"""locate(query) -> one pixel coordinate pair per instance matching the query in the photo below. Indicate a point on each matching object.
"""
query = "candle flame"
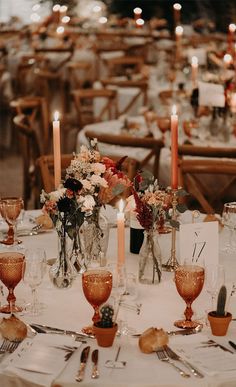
(179, 30)
(194, 61)
(56, 8)
(227, 58)
(177, 6)
(174, 110)
(140, 22)
(232, 27)
(137, 11)
(63, 8)
(56, 116)
(121, 205)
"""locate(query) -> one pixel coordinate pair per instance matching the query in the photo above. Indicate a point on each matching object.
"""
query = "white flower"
(94, 142)
(98, 168)
(86, 184)
(98, 180)
(56, 195)
(87, 202)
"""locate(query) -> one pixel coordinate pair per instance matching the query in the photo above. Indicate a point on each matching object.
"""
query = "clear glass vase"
(150, 265)
(94, 235)
(62, 273)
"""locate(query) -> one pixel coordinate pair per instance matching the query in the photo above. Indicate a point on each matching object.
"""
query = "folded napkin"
(210, 359)
(41, 359)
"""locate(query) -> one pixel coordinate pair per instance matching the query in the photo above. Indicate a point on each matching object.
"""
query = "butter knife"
(181, 332)
(95, 373)
(48, 329)
(174, 356)
(83, 360)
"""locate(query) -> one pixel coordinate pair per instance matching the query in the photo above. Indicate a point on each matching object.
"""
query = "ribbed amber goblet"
(11, 270)
(10, 208)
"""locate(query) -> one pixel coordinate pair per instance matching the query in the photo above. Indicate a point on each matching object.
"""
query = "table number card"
(199, 243)
(211, 94)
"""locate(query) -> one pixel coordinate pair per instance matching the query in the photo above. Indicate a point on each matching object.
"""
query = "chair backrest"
(154, 145)
(84, 102)
(191, 173)
(120, 65)
(78, 73)
(46, 167)
(30, 151)
(206, 151)
(141, 86)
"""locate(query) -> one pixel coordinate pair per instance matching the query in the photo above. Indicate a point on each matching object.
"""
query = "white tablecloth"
(161, 306)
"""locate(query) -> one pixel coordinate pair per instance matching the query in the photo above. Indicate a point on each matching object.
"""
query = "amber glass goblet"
(10, 209)
(11, 265)
(189, 280)
(97, 285)
(163, 124)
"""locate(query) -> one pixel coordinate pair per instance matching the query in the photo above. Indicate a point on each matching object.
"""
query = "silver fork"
(175, 356)
(8, 346)
(163, 357)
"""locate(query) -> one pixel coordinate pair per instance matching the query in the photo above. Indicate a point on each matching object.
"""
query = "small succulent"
(106, 312)
(221, 301)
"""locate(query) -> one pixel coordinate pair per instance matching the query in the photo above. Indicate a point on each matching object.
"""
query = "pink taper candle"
(174, 148)
(194, 65)
(56, 150)
(121, 233)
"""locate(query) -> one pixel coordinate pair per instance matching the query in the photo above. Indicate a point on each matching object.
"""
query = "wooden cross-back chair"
(78, 73)
(120, 65)
(84, 103)
(30, 151)
(46, 168)
(154, 145)
(207, 163)
(141, 86)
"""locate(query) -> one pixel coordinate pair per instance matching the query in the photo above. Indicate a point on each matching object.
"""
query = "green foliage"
(106, 312)
(220, 311)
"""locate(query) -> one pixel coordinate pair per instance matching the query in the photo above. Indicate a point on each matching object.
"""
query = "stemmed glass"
(11, 264)
(97, 285)
(163, 124)
(34, 268)
(189, 280)
(229, 221)
(215, 278)
(10, 209)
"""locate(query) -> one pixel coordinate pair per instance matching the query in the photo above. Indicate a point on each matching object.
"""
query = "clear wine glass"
(215, 278)
(34, 269)
(189, 280)
(10, 209)
(229, 221)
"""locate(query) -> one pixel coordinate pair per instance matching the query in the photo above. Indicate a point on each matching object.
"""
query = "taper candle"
(174, 148)
(231, 31)
(177, 8)
(56, 150)
(194, 65)
(121, 233)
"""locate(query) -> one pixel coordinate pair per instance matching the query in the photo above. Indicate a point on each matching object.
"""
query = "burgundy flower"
(73, 184)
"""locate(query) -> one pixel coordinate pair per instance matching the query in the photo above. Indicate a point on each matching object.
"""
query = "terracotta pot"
(105, 336)
(219, 325)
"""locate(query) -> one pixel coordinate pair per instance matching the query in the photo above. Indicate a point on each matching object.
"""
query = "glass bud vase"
(94, 235)
(150, 264)
(62, 273)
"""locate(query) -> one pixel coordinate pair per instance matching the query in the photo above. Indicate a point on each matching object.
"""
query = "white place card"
(199, 243)
(211, 94)
(200, 53)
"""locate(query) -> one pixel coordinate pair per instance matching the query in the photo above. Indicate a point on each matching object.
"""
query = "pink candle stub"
(121, 233)
(174, 148)
(56, 150)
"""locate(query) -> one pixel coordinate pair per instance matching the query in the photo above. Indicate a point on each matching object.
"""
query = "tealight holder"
(172, 262)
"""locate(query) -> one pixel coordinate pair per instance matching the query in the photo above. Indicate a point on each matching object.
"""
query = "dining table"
(158, 306)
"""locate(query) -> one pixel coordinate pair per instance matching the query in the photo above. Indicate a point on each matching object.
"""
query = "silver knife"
(83, 359)
(174, 356)
(45, 329)
(181, 332)
(95, 373)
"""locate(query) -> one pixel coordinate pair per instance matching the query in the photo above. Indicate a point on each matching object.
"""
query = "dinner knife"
(233, 345)
(95, 373)
(83, 359)
(181, 332)
(48, 329)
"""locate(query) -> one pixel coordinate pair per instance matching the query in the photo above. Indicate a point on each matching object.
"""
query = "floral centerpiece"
(152, 204)
(91, 182)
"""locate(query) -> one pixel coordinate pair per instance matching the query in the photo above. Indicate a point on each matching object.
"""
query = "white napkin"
(41, 359)
(211, 360)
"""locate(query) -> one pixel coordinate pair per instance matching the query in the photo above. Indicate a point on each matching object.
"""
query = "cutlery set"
(83, 361)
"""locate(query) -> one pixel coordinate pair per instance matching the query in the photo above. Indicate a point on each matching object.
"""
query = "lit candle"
(194, 64)
(56, 149)
(139, 23)
(137, 13)
(227, 60)
(231, 31)
(174, 148)
(233, 102)
(178, 35)
(121, 233)
(177, 8)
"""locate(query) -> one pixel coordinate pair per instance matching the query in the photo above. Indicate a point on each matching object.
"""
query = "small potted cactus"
(219, 319)
(105, 329)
